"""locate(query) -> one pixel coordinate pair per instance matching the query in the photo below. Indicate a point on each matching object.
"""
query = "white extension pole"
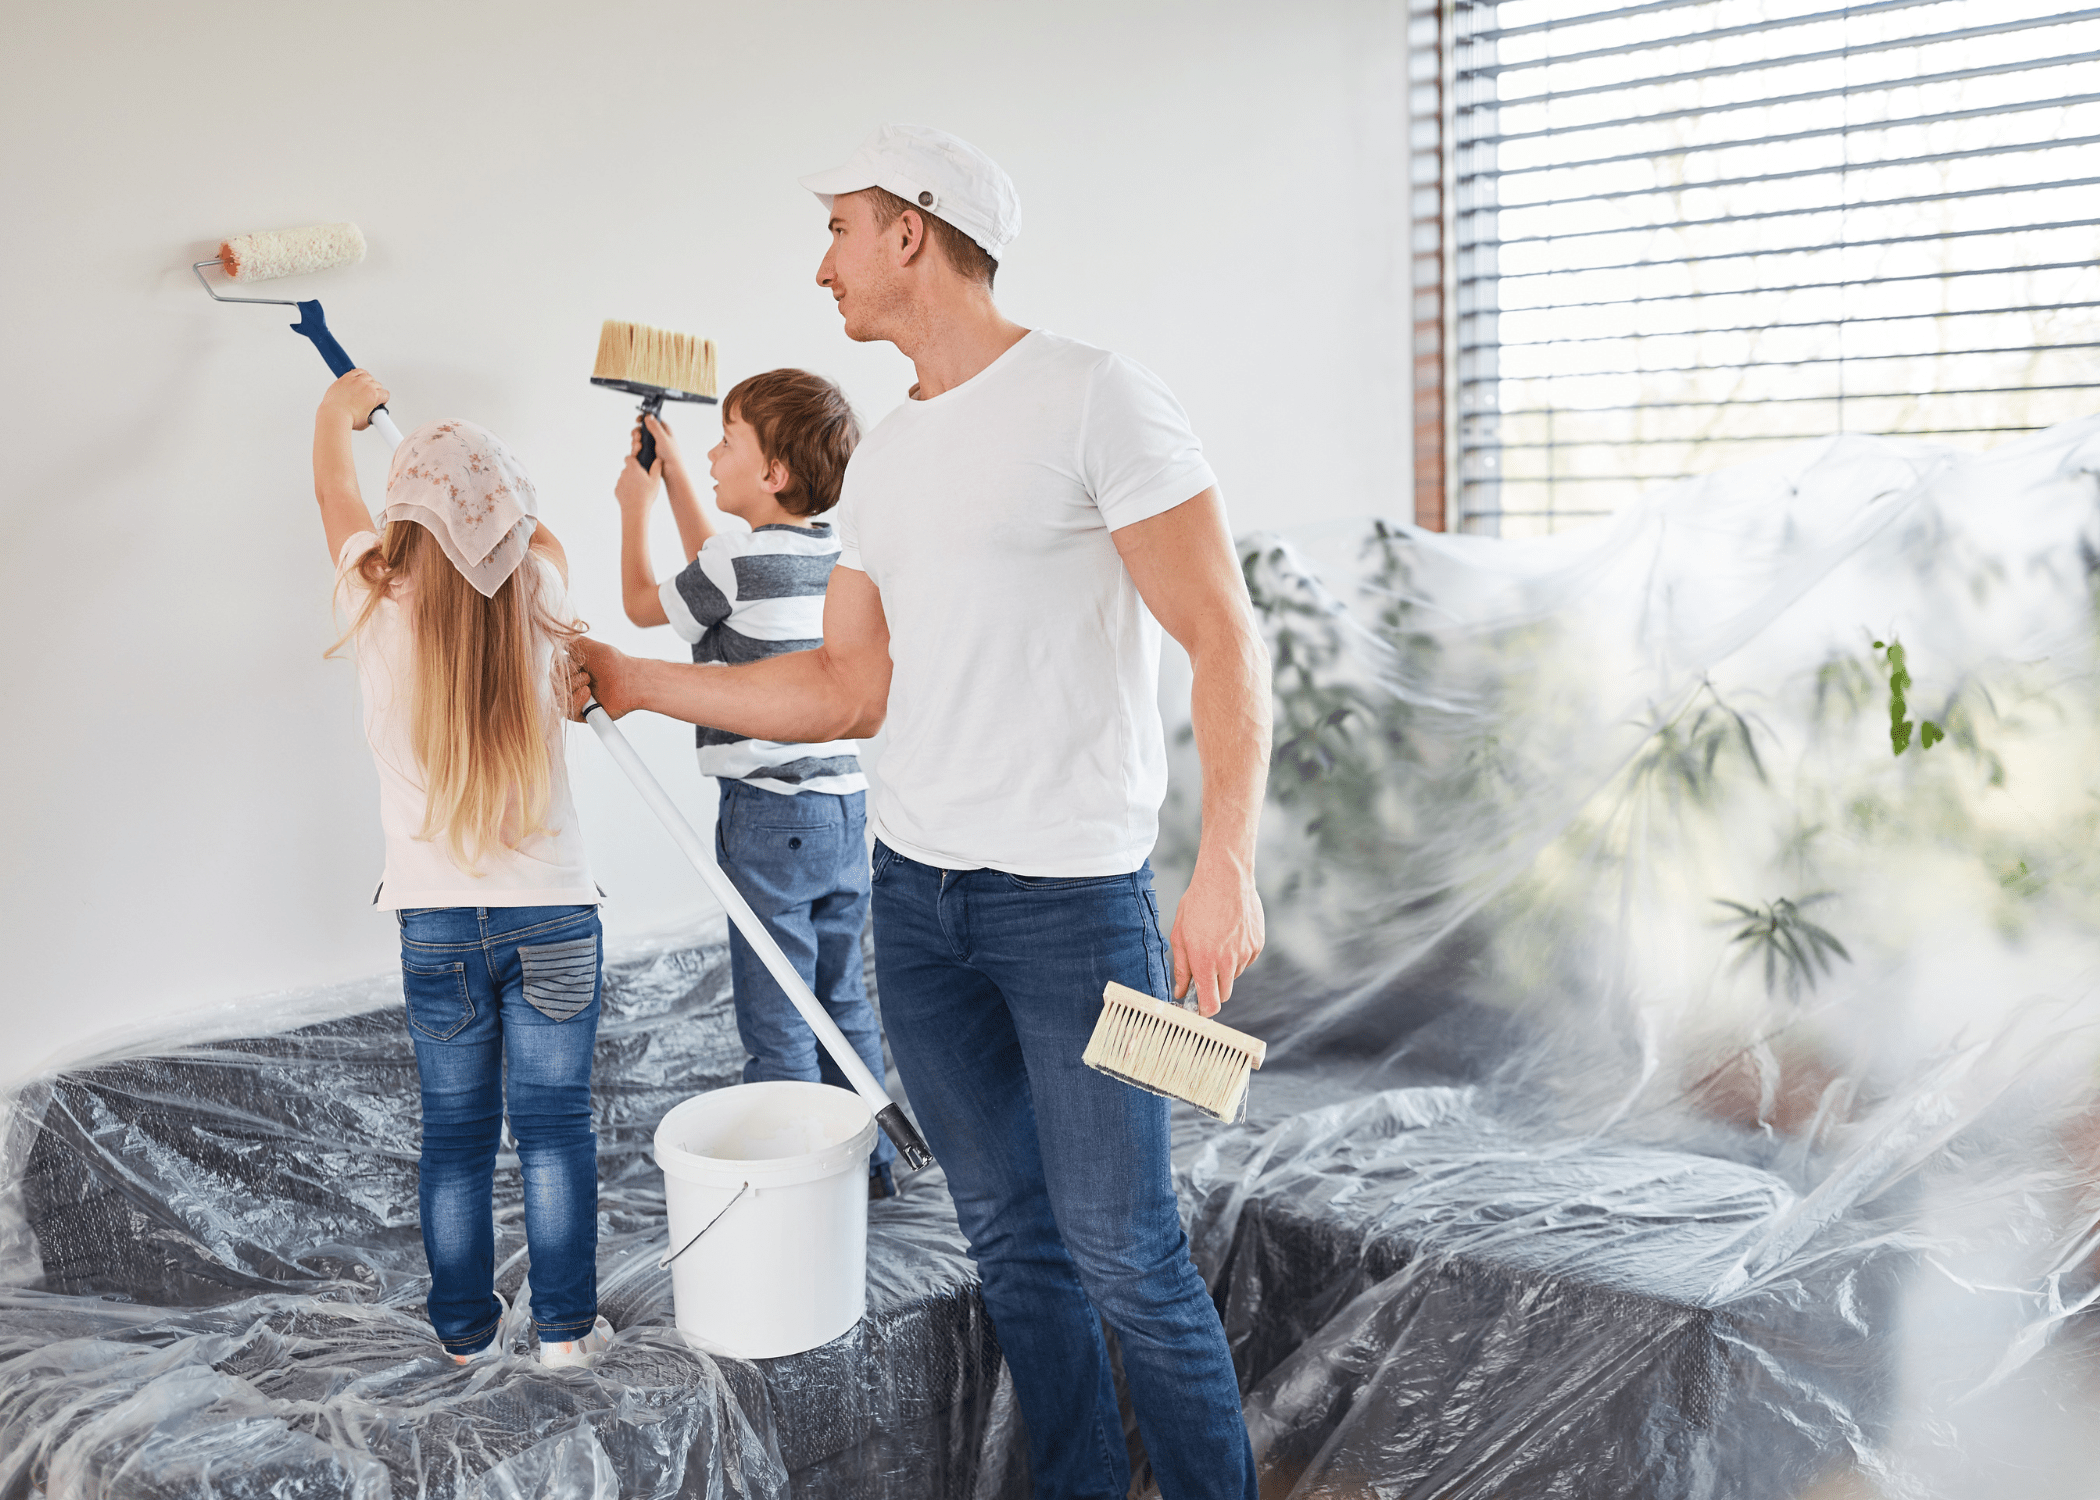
(383, 424)
(892, 1119)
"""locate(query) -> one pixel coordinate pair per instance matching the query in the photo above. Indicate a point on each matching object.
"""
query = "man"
(1012, 539)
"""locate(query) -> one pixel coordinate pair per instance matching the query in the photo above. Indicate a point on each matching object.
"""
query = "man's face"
(860, 270)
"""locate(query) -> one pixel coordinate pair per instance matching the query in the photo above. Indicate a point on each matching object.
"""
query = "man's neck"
(955, 341)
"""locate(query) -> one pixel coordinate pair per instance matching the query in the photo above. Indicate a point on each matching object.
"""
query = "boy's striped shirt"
(747, 596)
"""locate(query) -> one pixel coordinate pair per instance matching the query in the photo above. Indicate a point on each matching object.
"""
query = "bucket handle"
(665, 1260)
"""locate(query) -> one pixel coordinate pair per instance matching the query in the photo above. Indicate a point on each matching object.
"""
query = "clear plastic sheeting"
(228, 1285)
(1683, 1079)
(1681, 996)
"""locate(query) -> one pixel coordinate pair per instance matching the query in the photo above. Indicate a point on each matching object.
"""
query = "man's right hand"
(602, 673)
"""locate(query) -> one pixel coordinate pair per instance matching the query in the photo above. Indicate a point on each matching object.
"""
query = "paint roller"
(247, 258)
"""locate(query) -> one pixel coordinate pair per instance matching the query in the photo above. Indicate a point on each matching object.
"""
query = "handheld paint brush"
(295, 252)
(1171, 1050)
(656, 365)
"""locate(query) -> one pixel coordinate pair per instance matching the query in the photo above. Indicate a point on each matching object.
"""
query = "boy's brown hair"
(803, 423)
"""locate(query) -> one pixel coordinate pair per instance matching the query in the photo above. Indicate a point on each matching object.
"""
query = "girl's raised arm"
(345, 408)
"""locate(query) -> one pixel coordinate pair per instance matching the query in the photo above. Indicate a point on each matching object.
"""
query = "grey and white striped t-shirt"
(747, 596)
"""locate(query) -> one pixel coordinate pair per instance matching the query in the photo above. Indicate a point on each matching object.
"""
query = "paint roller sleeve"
(291, 252)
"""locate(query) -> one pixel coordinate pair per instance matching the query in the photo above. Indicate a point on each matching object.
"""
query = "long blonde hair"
(479, 709)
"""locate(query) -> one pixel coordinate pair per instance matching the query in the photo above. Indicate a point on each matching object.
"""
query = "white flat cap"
(941, 173)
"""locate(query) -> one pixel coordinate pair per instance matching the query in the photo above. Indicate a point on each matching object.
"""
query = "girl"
(460, 626)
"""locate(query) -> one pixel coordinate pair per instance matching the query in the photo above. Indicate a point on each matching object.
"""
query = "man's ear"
(910, 233)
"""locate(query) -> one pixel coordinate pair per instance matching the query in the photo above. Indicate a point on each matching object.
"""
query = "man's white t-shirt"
(1023, 731)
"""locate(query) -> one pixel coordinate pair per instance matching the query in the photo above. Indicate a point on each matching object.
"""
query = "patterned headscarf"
(459, 482)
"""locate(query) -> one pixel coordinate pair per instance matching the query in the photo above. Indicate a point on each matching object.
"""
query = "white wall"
(1216, 190)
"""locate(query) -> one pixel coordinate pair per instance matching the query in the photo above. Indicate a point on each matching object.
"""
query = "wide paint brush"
(656, 365)
(1171, 1050)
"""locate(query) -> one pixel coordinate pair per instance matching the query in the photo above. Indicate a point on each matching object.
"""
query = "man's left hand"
(1218, 930)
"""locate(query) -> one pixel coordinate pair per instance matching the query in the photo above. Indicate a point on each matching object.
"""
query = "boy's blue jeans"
(802, 863)
(486, 987)
(991, 984)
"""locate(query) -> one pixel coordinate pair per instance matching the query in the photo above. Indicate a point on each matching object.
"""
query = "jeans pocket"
(561, 979)
(439, 1006)
(880, 861)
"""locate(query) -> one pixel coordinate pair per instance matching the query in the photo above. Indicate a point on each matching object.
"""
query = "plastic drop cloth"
(219, 1285)
(1674, 1090)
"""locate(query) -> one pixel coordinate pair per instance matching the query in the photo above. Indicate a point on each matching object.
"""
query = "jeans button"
(794, 843)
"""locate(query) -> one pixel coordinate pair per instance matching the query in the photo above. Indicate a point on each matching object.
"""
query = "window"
(1676, 235)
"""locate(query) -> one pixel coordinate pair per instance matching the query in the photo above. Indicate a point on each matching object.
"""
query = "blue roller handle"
(313, 324)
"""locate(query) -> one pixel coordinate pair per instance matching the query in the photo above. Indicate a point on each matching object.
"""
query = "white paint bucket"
(776, 1175)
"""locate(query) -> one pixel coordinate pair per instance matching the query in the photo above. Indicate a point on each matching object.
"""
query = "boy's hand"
(353, 398)
(636, 489)
(668, 459)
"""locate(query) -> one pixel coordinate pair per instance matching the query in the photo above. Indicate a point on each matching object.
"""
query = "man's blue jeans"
(802, 863)
(991, 984)
(486, 987)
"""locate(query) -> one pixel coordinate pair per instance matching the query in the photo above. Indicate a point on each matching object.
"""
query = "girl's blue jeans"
(991, 984)
(503, 1008)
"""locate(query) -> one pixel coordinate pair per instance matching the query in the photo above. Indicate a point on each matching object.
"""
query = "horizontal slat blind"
(1690, 230)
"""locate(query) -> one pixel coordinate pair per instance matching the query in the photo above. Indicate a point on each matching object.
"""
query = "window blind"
(1688, 231)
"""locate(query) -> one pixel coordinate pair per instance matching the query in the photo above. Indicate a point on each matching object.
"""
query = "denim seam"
(517, 935)
(1063, 882)
(477, 1336)
(564, 1331)
(1108, 1457)
(1149, 940)
(498, 940)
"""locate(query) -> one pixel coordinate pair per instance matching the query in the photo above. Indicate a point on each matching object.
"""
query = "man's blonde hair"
(962, 252)
(479, 709)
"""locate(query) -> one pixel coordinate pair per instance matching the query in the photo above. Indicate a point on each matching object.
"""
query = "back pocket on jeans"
(438, 1005)
(561, 979)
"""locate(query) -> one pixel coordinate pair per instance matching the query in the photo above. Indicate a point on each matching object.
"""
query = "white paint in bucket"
(786, 1266)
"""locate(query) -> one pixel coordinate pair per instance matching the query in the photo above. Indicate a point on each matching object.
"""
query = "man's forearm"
(801, 698)
(1229, 702)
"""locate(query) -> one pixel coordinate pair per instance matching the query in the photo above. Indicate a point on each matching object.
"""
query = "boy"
(789, 832)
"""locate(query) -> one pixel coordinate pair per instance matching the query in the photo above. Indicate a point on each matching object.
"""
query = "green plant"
(1684, 754)
(1929, 733)
(1793, 948)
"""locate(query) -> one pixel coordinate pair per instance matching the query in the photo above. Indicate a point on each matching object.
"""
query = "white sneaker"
(565, 1354)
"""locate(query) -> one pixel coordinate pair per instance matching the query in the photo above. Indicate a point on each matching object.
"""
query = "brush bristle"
(1165, 1049)
(291, 252)
(655, 356)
